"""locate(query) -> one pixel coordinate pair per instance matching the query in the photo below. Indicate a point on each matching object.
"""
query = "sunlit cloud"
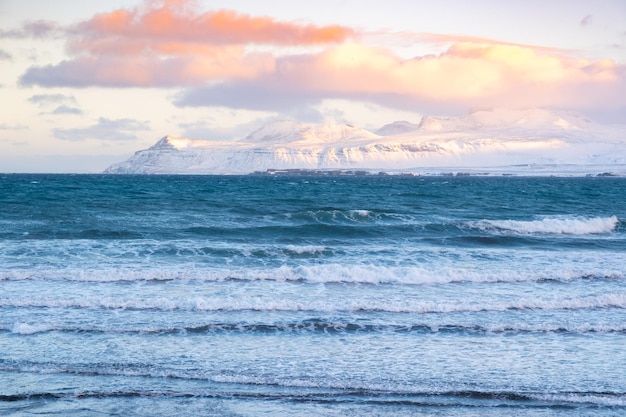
(104, 130)
(405, 38)
(225, 58)
(466, 74)
(170, 43)
(172, 21)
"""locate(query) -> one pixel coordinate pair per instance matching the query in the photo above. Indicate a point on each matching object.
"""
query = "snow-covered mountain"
(529, 140)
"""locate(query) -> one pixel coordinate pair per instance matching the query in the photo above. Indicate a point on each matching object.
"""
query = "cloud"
(225, 58)
(105, 129)
(466, 75)
(51, 99)
(586, 21)
(5, 56)
(442, 39)
(150, 71)
(34, 29)
(261, 94)
(212, 131)
(6, 126)
(15, 143)
(169, 43)
(65, 104)
(174, 22)
(66, 110)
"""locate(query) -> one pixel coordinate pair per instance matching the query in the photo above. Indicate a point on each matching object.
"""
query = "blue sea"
(312, 296)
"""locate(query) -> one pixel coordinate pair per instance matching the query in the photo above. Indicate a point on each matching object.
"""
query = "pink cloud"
(465, 72)
(173, 21)
(172, 44)
(466, 75)
(169, 43)
(149, 71)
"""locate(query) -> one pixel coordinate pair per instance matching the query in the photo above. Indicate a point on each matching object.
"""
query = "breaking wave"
(555, 226)
(603, 269)
(614, 300)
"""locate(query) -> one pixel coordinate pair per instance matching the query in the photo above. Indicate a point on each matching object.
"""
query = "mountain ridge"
(483, 138)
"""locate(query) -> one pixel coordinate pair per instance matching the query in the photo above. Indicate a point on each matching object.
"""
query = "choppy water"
(320, 296)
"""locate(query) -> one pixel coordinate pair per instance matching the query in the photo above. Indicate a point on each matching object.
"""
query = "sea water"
(312, 296)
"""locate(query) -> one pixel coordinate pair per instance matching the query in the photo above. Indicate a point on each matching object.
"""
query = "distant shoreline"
(495, 172)
(435, 173)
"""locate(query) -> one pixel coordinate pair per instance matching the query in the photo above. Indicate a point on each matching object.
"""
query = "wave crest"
(551, 225)
(608, 301)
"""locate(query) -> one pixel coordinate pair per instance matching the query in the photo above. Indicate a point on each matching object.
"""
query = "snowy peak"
(166, 142)
(331, 133)
(397, 128)
(289, 131)
(177, 143)
(433, 124)
(276, 132)
(528, 118)
(498, 119)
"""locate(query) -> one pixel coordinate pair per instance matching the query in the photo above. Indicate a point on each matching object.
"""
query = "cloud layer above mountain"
(226, 58)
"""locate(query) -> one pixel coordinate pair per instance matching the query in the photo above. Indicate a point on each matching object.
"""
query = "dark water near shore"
(320, 296)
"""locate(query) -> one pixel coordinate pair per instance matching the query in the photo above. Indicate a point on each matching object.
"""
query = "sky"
(85, 83)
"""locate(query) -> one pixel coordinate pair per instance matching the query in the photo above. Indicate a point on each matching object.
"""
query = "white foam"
(598, 399)
(27, 328)
(265, 303)
(305, 249)
(553, 225)
(361, 213)
(524, 267)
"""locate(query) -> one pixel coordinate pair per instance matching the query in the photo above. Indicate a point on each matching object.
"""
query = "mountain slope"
(482, 139)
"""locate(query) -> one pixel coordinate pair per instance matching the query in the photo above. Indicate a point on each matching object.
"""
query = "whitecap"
(27, 328)
(552, 225)
(306, 249)
(615, 300)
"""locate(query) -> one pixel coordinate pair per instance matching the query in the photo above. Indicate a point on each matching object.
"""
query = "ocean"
(302, 295)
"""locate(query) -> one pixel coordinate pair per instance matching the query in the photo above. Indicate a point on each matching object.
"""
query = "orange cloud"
(466, 75)
(464, 72)
(118, 21)
(136, 47)
(172, 44)
(130, 47)
(172, 21)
